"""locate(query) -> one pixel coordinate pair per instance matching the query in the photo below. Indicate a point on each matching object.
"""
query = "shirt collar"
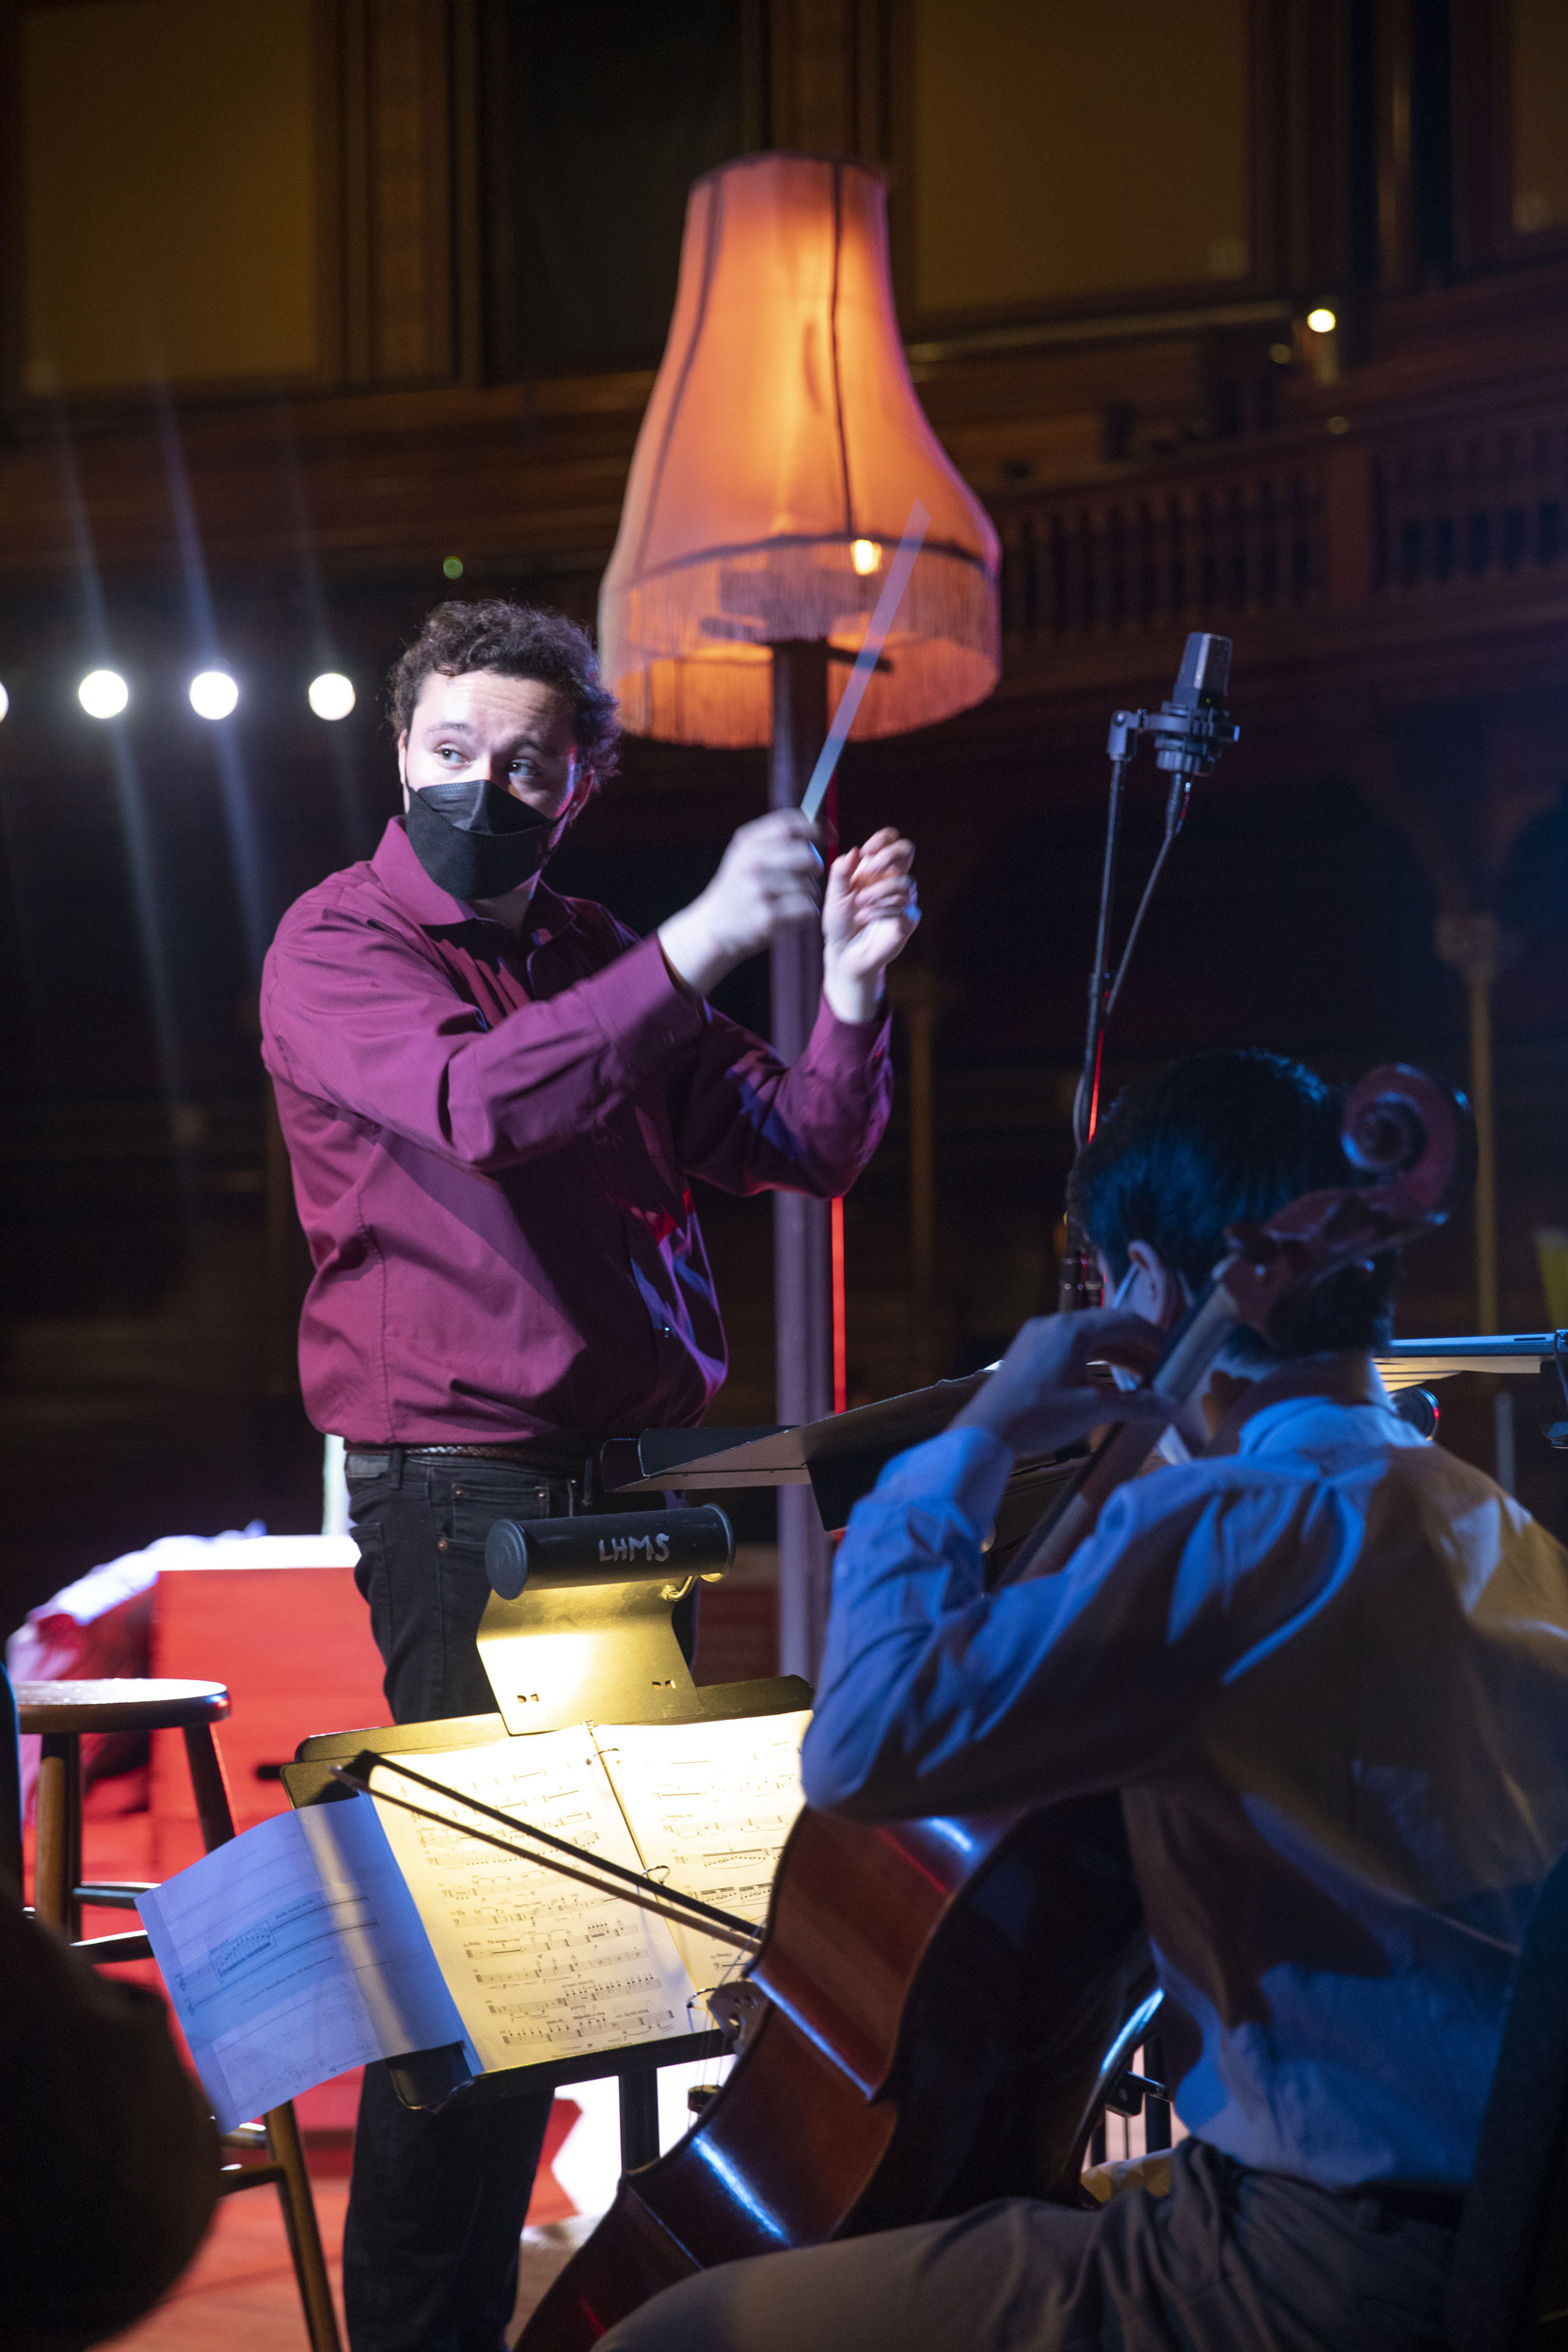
(396, 868)
(1347, 1379)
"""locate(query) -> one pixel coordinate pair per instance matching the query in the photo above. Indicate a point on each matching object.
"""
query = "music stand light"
(782, 451)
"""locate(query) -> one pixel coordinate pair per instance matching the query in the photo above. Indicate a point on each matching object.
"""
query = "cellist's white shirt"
(1329, 1670)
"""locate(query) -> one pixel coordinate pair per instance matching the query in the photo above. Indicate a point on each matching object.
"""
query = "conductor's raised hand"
(868, 917)
(769, 880)
(1040, 1398)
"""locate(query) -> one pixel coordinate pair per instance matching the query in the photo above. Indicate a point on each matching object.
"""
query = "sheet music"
(540, 1968)
(292, 1954)
(710, 1806)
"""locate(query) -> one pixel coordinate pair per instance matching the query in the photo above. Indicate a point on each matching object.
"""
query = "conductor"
(495, 1099)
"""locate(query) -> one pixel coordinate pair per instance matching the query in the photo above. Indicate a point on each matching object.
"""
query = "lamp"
(781, 453)
(780, 456)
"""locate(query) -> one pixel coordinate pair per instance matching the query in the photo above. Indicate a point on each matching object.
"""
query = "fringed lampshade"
(778, 461)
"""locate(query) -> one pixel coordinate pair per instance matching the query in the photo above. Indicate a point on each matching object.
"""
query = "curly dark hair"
(516, 641)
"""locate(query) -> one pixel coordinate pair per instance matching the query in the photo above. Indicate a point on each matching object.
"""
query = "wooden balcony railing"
(1472, 508)
(1290, 527)
(1150, 557)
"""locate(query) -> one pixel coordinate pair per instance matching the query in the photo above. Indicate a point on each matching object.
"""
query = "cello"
(937, 2009)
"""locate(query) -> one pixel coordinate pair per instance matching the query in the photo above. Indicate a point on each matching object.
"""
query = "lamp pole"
(802, 1310)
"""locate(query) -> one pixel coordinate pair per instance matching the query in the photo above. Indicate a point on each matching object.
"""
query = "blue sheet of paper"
(293, 1953)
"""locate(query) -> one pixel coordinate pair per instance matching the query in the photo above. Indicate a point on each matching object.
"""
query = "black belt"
(549, 1464)
(524, 1454)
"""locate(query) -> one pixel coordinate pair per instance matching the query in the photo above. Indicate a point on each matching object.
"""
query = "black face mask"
(474, 839)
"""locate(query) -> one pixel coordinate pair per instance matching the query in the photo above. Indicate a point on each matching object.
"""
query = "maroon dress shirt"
(491, 1142)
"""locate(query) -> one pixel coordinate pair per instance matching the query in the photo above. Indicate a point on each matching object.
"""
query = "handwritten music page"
(710, 1806)
(539, 1966)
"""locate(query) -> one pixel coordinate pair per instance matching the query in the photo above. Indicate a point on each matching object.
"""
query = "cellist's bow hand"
(1041, 1398)
(869, 915)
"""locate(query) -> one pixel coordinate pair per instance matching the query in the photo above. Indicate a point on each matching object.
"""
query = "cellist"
(1327, 1663)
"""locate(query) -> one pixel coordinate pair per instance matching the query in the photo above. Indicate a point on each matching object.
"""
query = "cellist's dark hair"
(1212, 1141)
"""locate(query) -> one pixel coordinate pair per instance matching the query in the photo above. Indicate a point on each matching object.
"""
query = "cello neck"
(1123, 1452)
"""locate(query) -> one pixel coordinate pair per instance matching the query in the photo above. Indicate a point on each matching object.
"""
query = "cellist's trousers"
(1231, 2260)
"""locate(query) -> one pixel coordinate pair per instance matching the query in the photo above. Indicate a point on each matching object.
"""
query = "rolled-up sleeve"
(357, 1016)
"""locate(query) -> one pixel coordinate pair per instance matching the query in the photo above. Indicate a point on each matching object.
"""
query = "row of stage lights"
(214, 694)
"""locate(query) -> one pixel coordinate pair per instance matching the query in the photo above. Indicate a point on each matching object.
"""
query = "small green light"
(453, 567)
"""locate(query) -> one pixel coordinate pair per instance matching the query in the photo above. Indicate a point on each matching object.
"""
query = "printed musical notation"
(710, 1806)
(348, 1931)
(540, 1968)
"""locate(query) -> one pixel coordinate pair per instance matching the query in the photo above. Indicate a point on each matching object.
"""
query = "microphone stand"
(1189, 732)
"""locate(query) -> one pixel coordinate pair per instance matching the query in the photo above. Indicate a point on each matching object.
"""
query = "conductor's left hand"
(868, 917)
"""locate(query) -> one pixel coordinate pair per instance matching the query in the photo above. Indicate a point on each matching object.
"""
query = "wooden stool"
(60, 1712)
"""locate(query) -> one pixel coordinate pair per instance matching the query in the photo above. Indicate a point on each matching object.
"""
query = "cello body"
(932, 2001)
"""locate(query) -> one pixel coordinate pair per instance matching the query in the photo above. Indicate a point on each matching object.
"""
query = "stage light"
(1322, 322)
(102, 693)
(213, 694)
(331, 695)
(452, 566)
(866, 555)
(5, 701)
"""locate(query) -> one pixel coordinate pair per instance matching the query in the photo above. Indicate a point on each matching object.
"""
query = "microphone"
(1192, 728)
(1197, 699)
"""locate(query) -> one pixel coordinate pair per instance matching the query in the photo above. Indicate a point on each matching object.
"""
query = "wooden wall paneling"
(137, 116)
(1314, 245)
(1396, 220)
(411, 161)
(1494, 218)
(873, 94)
(897, 154)
(468, 186)
(1272, 197)
(333, 184)
(396, 113)
(815, 51)
(499, 260)
(10, 208)
(582, 201)
(1266, 169)
(1482, 173)
(756, 74)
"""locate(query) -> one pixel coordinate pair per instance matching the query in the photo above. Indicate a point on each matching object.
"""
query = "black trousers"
(437, 2202)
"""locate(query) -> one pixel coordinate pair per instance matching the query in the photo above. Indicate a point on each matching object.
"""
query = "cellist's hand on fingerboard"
(1041, 1398)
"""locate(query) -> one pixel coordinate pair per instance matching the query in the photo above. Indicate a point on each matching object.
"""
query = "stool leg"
(212, 1809)
(10, 1788)
(300, 2220)
(217, 1816)
(58, 1862)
